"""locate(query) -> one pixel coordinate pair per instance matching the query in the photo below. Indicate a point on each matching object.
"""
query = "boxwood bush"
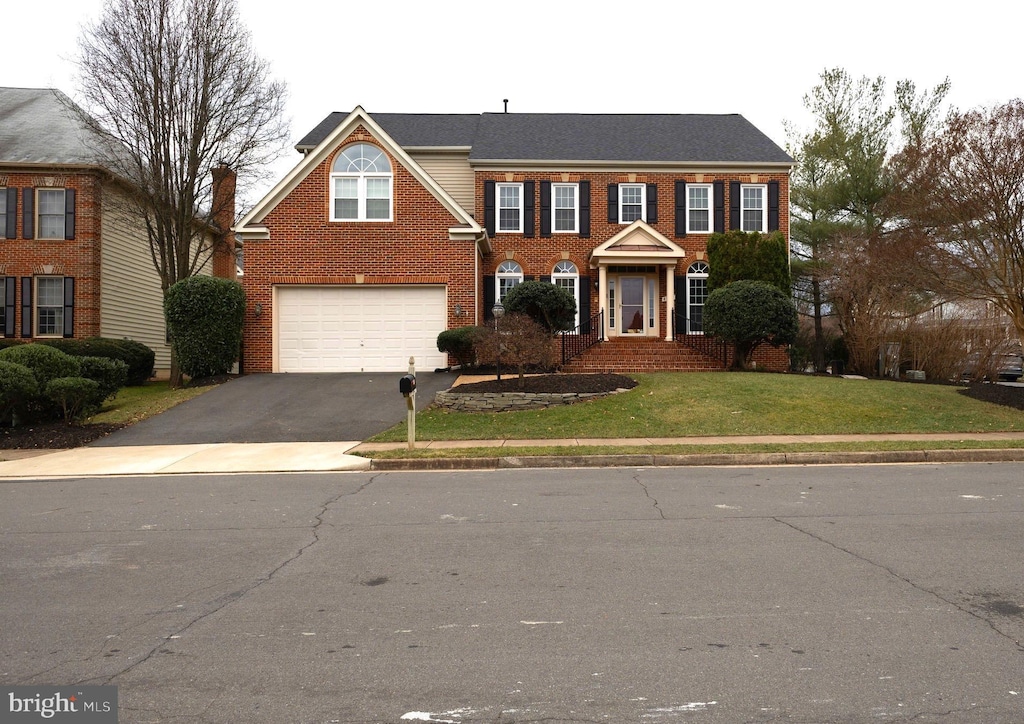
(459, 343)
(18, 387)
(75, 397)
(138, 357)
(109, 374)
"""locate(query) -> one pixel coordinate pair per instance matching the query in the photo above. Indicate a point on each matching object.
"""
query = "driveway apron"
(285, 408)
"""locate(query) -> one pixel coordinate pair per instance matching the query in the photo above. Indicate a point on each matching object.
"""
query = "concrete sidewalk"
(337, 456)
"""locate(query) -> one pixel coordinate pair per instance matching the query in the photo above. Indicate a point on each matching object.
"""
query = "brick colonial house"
(395, 227)
(74, 262)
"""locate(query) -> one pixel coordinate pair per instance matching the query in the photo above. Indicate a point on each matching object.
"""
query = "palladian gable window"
(361, 183)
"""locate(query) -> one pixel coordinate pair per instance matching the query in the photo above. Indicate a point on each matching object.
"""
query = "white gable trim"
(638, 243)
(250, 227)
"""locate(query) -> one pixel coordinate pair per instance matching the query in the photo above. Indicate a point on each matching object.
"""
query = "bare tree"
(964, 201)
(173, 89)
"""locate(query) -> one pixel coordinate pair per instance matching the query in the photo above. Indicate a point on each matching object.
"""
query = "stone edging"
(502, 401)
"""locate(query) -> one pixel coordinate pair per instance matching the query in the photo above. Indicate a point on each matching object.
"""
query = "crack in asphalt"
(900, 577)
(654, 501)
(229, 598)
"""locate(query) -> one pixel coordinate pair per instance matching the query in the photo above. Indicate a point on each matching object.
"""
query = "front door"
(636, 310)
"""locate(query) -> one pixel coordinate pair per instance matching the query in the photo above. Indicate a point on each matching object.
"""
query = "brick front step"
(642, 355)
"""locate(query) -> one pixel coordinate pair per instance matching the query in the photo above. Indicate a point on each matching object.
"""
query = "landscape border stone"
(504, 401)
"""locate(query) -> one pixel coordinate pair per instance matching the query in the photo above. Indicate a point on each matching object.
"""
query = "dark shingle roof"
(37, 126)
(655, 138)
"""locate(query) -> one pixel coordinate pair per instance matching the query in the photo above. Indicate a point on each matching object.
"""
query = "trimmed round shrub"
(551, 306)
(749, 313)
(8, 342)
(458, 343)
(109, 374)
(18, 387)
(45, 362)
(204, 316)
(138, 357)
(75, 397)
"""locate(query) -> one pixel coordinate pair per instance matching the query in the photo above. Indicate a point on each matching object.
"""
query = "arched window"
(361, 184)
(696, 295)
(508, 275)
(566, 275)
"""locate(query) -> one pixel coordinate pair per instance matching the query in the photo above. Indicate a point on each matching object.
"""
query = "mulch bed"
(552, 384)
(52, 436)
(999, 394)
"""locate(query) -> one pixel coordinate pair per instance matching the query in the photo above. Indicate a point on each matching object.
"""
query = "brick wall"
(305, 247)
(78, 258)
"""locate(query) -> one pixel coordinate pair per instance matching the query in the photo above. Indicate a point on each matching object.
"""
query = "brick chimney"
(224, 218)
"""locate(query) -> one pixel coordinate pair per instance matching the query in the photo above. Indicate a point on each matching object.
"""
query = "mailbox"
(407, 384)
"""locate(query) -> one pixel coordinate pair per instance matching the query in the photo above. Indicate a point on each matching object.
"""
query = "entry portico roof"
(638, 244)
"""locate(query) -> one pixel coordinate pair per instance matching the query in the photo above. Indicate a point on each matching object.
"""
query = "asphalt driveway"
(285, 408)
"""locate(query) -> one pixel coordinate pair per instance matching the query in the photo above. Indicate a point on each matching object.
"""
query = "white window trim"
(513, 270)
(575, 276)
(764, 206)
(498, 207)
(36, 308)
(39, 215)
(575, 208)
(643, 201)
(696, 270)
(361, 197)
(711, 208)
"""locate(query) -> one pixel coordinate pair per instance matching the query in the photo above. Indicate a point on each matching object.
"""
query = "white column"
(670, 300)
(602, 291)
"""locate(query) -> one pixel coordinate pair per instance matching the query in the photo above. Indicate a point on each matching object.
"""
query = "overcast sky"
(757, 59)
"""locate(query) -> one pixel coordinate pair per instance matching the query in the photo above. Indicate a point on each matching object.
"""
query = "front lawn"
(718, 403)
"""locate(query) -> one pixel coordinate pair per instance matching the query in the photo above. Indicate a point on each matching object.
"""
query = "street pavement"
(627, 594)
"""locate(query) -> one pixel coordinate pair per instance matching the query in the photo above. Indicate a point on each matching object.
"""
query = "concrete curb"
(703, 460)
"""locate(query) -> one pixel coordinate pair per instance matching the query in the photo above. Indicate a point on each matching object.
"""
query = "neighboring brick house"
(74, 262)
(395, 227)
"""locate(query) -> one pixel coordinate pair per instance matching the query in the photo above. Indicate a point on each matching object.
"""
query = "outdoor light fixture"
(257, 309)
(498, 310)
(459, 311)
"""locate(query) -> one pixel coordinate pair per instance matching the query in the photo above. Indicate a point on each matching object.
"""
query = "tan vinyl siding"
(452, 173)
(131, 303)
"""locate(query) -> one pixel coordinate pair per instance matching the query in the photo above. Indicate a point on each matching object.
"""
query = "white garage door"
(359, 329)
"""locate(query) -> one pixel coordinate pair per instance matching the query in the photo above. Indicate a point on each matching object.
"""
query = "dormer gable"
(251, 225)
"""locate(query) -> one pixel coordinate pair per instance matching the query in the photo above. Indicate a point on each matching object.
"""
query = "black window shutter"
(545, 278)
(28, 217)
(680, 308)
(489, 216)
(69, 214)
(69, 306)
(652, 203)
(773, 206)
(26, 306)
(613, 203)
(584, 309)
(488, 296)
(585, 209)
(734, 205)
(529, 213)
(545, 208)
(680, 209)
(10, 304)
(718, 189)
(12, 214)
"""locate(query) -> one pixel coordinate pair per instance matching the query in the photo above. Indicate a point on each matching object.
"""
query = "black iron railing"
(575, 342)
(690, 332)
